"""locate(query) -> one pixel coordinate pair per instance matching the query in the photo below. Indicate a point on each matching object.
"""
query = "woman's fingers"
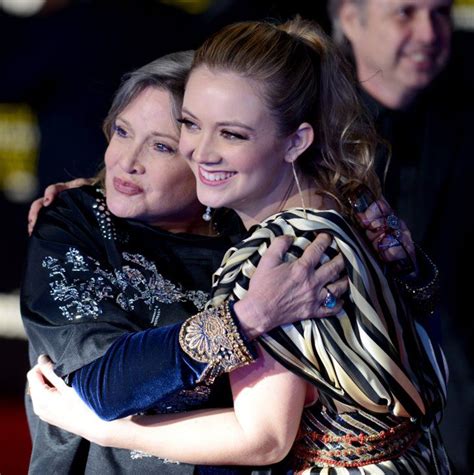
(41, 392)
(275, 254)
(33, 213)
(36, 379)
(46, 367)
(332, 297)
(50, 194)
(312, 255)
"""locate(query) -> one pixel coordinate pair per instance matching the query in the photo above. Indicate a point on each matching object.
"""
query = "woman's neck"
(193, 224)
(292, 198)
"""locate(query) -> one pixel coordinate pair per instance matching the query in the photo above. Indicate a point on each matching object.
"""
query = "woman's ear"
(299, 141)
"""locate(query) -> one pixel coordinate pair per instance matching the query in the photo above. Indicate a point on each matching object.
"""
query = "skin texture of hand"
(50, 194)
(281, 292)
(374, 222)
(58, 404)
(385, 240)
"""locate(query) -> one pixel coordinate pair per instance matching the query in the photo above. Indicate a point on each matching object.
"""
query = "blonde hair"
(304, 78)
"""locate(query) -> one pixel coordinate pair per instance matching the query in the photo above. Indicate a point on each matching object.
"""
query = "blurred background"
(60, 61)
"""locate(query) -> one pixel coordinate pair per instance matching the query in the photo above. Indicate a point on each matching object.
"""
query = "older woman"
(115, 268)
(273, 130)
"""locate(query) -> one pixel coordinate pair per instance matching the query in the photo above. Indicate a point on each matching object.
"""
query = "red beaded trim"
(389, 444)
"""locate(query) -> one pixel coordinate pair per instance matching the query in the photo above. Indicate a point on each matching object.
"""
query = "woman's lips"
(126, 187)
(214, 178)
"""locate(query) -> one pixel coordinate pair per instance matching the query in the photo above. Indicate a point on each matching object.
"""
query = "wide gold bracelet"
(213, 337)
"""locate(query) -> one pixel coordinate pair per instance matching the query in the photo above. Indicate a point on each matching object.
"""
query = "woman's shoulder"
(310, 219)
(86, 195)
(74, 208)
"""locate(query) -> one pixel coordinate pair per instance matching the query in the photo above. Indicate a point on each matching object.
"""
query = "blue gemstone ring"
(393, 222)
(330, 300)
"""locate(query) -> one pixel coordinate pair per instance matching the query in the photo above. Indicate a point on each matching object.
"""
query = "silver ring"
(397, 234)
(330, 301)
(393, 221)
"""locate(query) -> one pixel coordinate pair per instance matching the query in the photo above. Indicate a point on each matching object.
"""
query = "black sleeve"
(72, 312)
(68, 294)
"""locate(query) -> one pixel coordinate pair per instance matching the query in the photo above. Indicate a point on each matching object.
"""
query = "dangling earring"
(299, 188)
(207, 214)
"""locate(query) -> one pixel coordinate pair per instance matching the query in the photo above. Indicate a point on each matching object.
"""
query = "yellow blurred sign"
(19, 142)
(194, 7)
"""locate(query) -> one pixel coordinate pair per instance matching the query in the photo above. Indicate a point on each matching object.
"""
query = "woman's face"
(232, 144)
(146, 178)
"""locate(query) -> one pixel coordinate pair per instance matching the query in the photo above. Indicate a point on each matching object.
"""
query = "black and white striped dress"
(381, 380)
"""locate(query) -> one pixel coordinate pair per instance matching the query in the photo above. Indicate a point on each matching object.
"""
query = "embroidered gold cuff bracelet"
(213, 337)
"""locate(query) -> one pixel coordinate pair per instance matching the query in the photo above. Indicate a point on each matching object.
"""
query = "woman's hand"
(49, 196)
(282, 292)
(58, 404)
(389, 235)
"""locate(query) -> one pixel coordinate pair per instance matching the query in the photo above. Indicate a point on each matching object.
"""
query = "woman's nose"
(131, 161)
(205, 150)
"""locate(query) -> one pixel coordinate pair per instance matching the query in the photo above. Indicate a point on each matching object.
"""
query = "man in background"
(418, 86)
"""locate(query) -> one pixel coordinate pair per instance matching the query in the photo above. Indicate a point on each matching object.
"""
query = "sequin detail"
(138, 280)
(104, 217)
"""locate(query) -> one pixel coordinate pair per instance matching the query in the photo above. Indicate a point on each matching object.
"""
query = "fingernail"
(43, 359)
(387, 242)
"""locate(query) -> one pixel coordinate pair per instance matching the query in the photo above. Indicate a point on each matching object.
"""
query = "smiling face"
(146, 178)
(399, 45)
(232, 145)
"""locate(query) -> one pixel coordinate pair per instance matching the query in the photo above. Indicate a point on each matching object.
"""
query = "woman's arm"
(159, 368)
(260, 430)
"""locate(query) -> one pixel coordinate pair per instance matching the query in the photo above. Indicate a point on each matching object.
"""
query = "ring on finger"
(393, 221)
(388, 241)
(396, 234)
(330, 300)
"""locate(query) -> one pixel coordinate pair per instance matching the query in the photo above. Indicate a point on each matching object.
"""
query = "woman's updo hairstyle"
(303, 77)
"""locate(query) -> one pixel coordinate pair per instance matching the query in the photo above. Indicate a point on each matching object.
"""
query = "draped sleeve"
(69, 296)
(372, 355)
(98, 291)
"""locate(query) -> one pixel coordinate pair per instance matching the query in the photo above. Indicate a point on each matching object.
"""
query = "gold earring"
(300, 192)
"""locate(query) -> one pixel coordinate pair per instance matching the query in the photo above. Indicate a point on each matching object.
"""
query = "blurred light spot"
(463, 15)
(20, 186)
(19, 142)
(194, 7)
(22, 7)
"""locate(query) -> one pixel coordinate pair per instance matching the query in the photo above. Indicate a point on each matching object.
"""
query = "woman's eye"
(227, 134)
(120, 131)
(163, 148)
(188, 124)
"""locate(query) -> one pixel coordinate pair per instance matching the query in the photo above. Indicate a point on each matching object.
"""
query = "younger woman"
(272, 129)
